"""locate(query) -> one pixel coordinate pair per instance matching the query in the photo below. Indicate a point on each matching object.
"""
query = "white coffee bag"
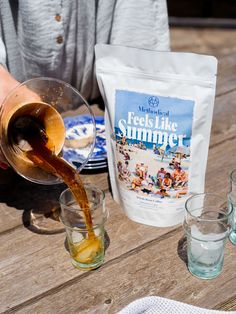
(158, 118)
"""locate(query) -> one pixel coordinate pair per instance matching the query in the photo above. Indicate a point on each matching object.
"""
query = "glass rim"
(226, 215)
(232, 173)
(231, 200)
(45, 78)
(72, 208)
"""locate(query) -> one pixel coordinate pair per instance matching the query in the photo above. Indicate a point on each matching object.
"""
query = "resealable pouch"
(158, 117)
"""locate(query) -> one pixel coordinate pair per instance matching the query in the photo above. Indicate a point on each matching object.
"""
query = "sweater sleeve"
(3, 54)
(141, 24)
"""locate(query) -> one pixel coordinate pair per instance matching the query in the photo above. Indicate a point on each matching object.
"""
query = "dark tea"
(27, 131)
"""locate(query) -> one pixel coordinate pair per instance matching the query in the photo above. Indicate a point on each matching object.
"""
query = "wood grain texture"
(219, 42)
(32, 264)
(126, 237)
(224, 119)
(18, 197)
(228, 305)
(157, 272)
(223, 127)
(216, 42)
(24, 196)
(226, 76)
(35, 272)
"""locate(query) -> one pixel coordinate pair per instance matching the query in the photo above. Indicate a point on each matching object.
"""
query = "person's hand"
(7, 83)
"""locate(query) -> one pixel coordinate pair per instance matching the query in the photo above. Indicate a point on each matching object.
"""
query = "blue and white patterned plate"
(78, 129)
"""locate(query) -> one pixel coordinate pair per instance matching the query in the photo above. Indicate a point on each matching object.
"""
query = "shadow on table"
(182, 249)
(36, 201)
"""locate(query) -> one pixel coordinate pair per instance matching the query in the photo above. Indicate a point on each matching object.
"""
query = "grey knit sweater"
(56, 38)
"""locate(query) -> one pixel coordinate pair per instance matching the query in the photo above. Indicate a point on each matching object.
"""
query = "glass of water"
(231, 198)
(207, 225)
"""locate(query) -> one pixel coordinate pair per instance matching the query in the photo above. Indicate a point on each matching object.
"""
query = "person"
(167, 182)
(175, 163)
(141, 170)
(136, 183)
(57, 38)
(148, 189)
(163, 193)
(161, 175)
(176, 174)
(126, 156)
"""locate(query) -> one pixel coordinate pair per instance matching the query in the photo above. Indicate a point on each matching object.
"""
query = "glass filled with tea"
(84, 221)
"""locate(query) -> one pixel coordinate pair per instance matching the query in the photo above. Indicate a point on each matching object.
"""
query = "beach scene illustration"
(152, 136)
(154, 172)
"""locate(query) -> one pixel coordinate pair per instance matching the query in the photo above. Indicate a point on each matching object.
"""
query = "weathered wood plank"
(226, 76)
(219, 42)
(33, 265)
(227, 305)
(223, 127)
(224, 119)
(21, 250)
(216, 42)
(159, 271)
(19, 196)
(219, 166)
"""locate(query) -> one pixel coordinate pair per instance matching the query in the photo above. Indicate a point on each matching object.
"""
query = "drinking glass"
(231, 198)
(85, 242)
(50, 102)
(207, 225)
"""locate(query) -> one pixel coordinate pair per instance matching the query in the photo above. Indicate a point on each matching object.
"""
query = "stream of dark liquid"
(29, 129)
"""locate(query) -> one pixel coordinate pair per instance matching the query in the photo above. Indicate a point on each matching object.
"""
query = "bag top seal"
(162, 61)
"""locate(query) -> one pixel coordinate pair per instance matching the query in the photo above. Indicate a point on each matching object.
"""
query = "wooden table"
(35, 271)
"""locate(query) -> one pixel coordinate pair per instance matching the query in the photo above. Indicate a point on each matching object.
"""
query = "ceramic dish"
(79, 130)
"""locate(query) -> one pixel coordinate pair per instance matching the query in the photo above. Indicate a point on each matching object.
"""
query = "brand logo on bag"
(153, 101)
